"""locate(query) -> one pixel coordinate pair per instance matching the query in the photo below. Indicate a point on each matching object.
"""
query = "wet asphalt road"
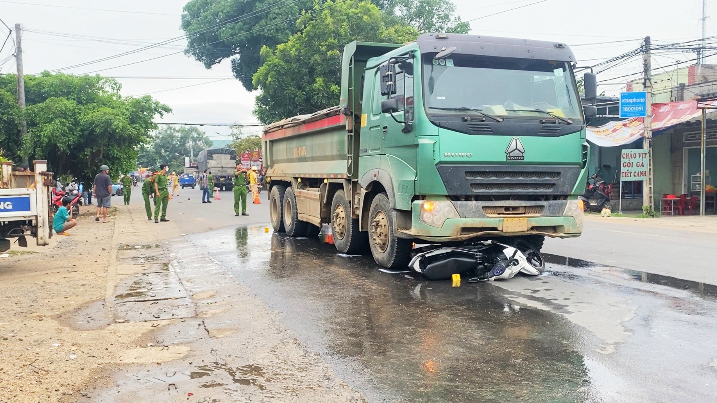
(573, 334)
(579, 332)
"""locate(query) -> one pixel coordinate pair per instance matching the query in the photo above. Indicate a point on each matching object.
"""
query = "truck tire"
(276, 207)
(292, 225)
(347, 237)
(387, 249)
(119, 192)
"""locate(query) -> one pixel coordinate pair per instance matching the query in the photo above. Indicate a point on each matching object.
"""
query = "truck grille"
(519, 175)
(507, 187)
(479, 128)
(509, 181)
(507, 211)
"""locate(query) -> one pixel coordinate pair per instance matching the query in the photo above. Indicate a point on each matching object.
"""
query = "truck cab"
(450, 139)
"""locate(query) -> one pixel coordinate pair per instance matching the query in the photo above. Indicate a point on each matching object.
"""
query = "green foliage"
(76, 123)
(303, 75)
(244, 27)
(171, 144)
(425, 15)
(648, 212)
(249, 143)
(239, 29)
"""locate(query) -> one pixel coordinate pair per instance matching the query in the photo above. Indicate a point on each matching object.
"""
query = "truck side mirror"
(388, 78)
(590, 83)
(590, 112)
(389, 105)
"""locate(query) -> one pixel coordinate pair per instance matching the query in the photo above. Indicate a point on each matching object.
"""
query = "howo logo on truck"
(515, 150)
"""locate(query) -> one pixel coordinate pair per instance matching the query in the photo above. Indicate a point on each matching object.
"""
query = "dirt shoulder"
(128, 311)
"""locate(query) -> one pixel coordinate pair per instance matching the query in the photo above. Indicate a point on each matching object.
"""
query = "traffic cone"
(256, 198)
(216, 194)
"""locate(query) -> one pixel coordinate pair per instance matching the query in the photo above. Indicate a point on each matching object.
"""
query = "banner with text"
(633, 165)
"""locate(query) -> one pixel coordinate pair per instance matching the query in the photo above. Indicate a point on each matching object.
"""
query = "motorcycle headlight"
(575, 210)
(436, 212)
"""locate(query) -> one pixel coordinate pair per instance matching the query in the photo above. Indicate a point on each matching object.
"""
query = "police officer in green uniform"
(126, 188)
(161, 193)
(147, 191)
(240, 191)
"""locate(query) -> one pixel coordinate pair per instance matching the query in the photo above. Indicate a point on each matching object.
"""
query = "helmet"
(254, 168)
(104, 168)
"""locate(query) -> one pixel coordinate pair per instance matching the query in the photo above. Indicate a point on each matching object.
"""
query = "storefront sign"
(633, 165)
(633, 104)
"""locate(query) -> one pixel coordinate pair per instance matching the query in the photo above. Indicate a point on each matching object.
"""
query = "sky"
(58, 34)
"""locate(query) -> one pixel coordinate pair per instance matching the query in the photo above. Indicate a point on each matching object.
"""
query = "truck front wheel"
(347, 237)
(292, 225)
(388, 250)
(276, 207)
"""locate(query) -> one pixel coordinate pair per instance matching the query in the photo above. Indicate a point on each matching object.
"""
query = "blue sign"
(14, 204)
(633, 104)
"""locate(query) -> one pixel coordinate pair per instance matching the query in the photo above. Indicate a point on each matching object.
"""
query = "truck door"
(393, 131)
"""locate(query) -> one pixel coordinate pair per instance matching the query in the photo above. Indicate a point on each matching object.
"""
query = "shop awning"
(664, 116)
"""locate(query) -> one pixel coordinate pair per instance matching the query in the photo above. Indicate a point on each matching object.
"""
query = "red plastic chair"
(681, 205)
(693, 204)
(666, 206)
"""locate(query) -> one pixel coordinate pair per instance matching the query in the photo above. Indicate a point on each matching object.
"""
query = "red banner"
(664, 116)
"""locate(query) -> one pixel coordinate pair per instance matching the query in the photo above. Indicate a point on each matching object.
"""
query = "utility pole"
(647, 199)
(20, 87)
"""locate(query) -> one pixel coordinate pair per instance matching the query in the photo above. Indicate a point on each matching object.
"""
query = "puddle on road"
(248, 375)
(700, 289)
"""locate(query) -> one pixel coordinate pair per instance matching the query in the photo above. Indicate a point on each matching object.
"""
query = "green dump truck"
(448, 140)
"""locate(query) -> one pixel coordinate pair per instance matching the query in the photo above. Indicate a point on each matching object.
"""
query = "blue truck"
(187, 180)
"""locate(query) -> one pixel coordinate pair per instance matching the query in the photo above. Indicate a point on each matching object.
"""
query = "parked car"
(117, 189)
(187, 180)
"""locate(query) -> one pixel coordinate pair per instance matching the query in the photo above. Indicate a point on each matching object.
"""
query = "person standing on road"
(254, 184)
(102, 189)
(147, 192)
(239, 191)
(126, 188)
(208, 186)
(161, 194)
(175, 183)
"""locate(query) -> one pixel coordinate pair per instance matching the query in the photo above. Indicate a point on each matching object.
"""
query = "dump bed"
(307, 146)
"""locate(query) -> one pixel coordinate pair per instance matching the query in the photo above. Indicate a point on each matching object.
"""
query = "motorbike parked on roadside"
(595, 198)
(72, 192)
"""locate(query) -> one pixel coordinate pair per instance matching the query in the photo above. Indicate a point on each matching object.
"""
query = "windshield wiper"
(556, 116)
(465, 108)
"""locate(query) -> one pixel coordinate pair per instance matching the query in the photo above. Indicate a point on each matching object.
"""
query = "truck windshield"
(499, 86)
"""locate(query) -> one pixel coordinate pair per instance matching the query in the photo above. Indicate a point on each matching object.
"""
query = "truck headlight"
(436, 212)
(575, 209)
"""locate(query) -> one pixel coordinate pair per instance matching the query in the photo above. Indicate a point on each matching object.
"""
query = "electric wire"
(86, 8)
(195, 33)
(505, 11)
(181, 51)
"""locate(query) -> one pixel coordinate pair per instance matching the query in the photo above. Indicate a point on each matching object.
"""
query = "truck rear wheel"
(276, 207)
(387, 249)
(292, 225)
(347, 237)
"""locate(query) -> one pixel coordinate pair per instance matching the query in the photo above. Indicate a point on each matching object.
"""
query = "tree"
(221, 29)
(238, 29)
(249, 143)
(78, 123)
(425, 15)
(303, 75)
(171, 144)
